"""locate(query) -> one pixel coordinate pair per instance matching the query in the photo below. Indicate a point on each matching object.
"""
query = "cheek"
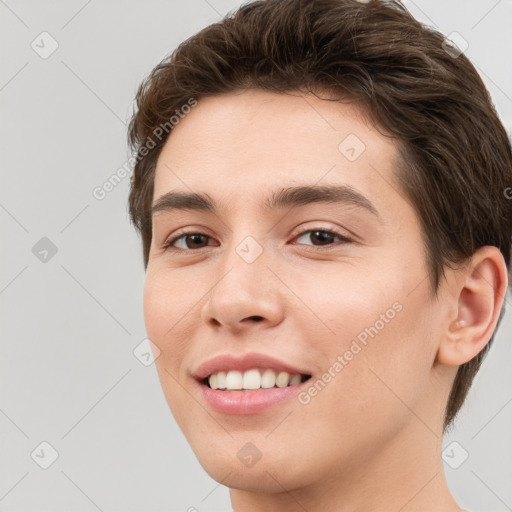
(377, 347)
(165, 302)
(386, 363)
(346, 305)
(156, 300)
(165, 307)
(361, 403)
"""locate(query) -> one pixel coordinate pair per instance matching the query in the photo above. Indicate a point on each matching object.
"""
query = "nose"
(244, 294)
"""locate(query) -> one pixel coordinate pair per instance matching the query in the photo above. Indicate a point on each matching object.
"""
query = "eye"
(323, 236)
(196, 239)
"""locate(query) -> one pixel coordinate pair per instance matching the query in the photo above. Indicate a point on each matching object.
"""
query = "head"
(327, 92)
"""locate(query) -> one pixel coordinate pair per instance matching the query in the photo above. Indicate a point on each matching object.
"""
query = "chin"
(237, 463)
(265, 477)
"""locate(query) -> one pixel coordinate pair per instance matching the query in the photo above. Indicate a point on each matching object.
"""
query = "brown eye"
(323, 237)
(195, 239)
(192, 241)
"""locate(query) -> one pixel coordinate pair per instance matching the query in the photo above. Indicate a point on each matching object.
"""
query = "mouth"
(251, 392)
(248, 383)
(253, 380)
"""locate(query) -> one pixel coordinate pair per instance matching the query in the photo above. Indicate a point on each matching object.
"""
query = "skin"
(371, 439)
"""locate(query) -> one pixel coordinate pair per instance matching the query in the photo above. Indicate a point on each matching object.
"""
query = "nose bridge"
(243, 287)
(246, 251)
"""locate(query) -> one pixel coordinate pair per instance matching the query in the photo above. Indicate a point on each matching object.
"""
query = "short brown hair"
(456, 155)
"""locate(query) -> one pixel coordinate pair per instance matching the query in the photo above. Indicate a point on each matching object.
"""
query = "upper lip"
(226, 362)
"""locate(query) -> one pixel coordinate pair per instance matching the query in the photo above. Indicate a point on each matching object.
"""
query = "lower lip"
(248, 401)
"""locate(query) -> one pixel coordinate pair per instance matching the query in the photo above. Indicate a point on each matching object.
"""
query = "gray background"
(70, 323)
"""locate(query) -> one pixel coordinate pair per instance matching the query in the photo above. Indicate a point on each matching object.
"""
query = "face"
(336, 290)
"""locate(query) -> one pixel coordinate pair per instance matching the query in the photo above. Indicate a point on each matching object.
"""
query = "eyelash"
(168, 245)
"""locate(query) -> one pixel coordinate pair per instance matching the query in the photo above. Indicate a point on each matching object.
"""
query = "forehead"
(246, 144)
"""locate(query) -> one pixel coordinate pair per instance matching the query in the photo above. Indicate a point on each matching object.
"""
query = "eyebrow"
(282, 198)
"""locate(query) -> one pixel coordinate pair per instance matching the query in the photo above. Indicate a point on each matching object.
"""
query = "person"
(320, 189)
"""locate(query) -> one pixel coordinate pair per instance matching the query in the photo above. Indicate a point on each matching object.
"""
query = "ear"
(480, 291)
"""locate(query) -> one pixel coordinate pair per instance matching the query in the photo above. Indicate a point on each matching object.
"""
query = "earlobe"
(481, 291)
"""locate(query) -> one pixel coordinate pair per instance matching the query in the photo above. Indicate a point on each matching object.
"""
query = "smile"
(253, 379)
(240, 396)
(248, 383)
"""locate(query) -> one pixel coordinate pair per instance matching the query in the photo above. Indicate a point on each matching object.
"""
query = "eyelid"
(345, 239)
(330, 229)
(167, 244)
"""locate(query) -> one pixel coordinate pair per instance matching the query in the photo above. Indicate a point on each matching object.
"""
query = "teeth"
(252, 379)
(234, 380)
(268, 379)
(295, 379)
(221, 380)
(282, 379)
